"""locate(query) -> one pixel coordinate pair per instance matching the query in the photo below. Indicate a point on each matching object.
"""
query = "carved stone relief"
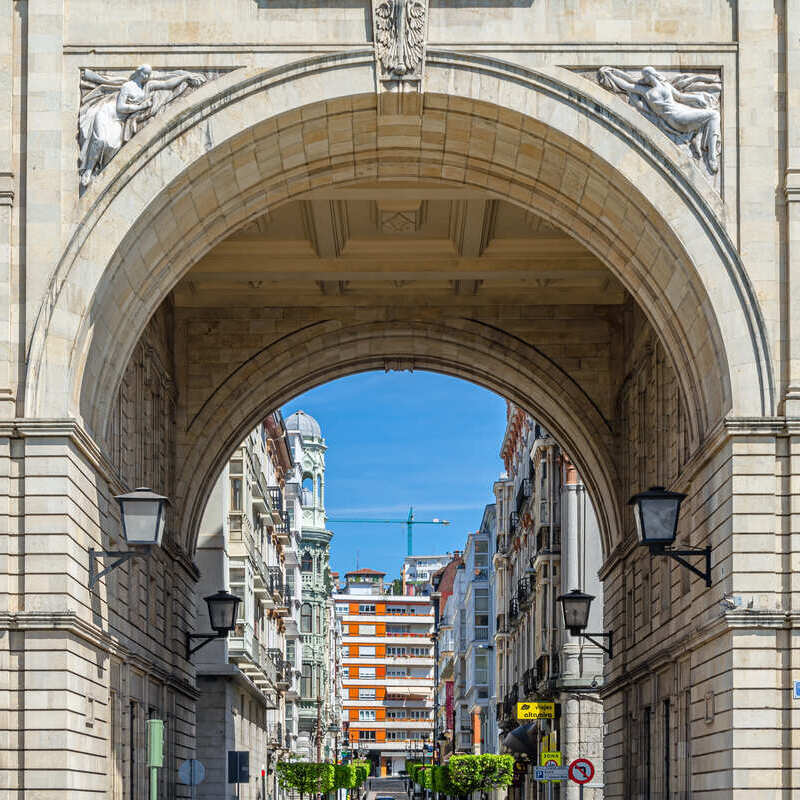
(400, 29)
(685, 106)
(114, 107)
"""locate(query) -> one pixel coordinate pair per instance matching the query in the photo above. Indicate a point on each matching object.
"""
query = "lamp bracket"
(206, 638)
(609, 636)
(120, 556)
(676, 555)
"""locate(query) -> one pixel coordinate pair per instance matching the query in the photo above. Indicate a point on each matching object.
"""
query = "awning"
(405, 691)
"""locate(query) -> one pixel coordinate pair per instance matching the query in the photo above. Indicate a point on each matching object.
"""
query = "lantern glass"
(143, 514)
(222, 608)
(656, 515)
(575, 605)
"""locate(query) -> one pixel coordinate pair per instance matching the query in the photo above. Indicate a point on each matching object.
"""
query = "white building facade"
(546, 545)
(248, 547)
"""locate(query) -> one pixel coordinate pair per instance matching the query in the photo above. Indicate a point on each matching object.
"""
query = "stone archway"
(169, 198)
(543, 141)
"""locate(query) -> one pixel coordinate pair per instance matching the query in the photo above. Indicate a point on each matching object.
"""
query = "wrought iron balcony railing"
(523, 493)
(275, 497)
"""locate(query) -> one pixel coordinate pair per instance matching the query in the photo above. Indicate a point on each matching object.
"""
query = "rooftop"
(364, 571)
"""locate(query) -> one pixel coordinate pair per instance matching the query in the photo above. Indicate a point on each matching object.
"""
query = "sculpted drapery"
(113, 109)
(685, 107)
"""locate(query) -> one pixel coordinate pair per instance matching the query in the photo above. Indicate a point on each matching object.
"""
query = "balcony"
(529, 682)
(543, 546)
(276, 502)
(523, 493)
(524, 595)
(283, 528)
(275, 583)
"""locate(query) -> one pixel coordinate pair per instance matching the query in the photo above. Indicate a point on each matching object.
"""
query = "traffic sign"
(550, 773)
(191, 772)
(581, 770)
(535, 710)
(551, 759)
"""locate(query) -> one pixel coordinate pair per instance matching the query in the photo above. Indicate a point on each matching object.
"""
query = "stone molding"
(97, 459)
(69, 622)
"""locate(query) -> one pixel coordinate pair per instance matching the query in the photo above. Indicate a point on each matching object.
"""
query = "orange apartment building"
(387, 670)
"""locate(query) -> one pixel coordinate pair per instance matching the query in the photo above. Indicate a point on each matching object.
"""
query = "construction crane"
(409, 522)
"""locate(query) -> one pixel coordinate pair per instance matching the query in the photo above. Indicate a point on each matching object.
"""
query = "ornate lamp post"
(222, 608)
(656, 514)
(576, 605)
(143, 513)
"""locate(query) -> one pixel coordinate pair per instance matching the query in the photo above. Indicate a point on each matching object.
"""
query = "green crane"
(410, 522)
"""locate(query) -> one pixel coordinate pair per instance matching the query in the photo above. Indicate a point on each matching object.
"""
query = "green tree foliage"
(481, 773)
(306, 777)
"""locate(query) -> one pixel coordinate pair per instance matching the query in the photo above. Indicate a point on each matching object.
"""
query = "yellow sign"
(549, 756)
(536, 711)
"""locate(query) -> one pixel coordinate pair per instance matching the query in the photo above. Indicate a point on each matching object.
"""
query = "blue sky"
(398, 439)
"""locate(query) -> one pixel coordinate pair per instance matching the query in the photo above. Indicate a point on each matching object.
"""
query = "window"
(395, 651)
(395, 630)
(481, 553)
(397, 610)
(420, 651)
(366, 736)
(290, 651)
(397, 672)
(305, 683)
(317, 624)
(305, 618)
(481, 620)
(366, 694)
(366, 630)
(342, 608)
(366, 608)
(366, 672)
(366, 715)
(306, 563)
(396, 735)
(366, 650)
(481, 668)
(236, 494)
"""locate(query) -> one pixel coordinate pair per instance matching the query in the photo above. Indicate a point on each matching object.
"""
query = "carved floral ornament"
(114, 108)
(685, 106)
(400, 28)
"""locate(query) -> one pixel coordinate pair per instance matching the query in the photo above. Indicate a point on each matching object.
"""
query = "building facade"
(318, 715)
(588, 206)
(545, 546)
(419, 570)
(247, 546)
(387, 670)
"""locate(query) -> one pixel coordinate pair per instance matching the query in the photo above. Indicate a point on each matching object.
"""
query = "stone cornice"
(717, 437)
(69, 622)
(94, 454)
(71, 429)
(700, 635)
(6, 189)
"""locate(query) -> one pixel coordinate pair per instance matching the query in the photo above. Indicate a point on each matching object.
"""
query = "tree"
(305, 777)
(481, 773)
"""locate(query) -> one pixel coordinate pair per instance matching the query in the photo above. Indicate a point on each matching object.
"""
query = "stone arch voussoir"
(328, 350)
